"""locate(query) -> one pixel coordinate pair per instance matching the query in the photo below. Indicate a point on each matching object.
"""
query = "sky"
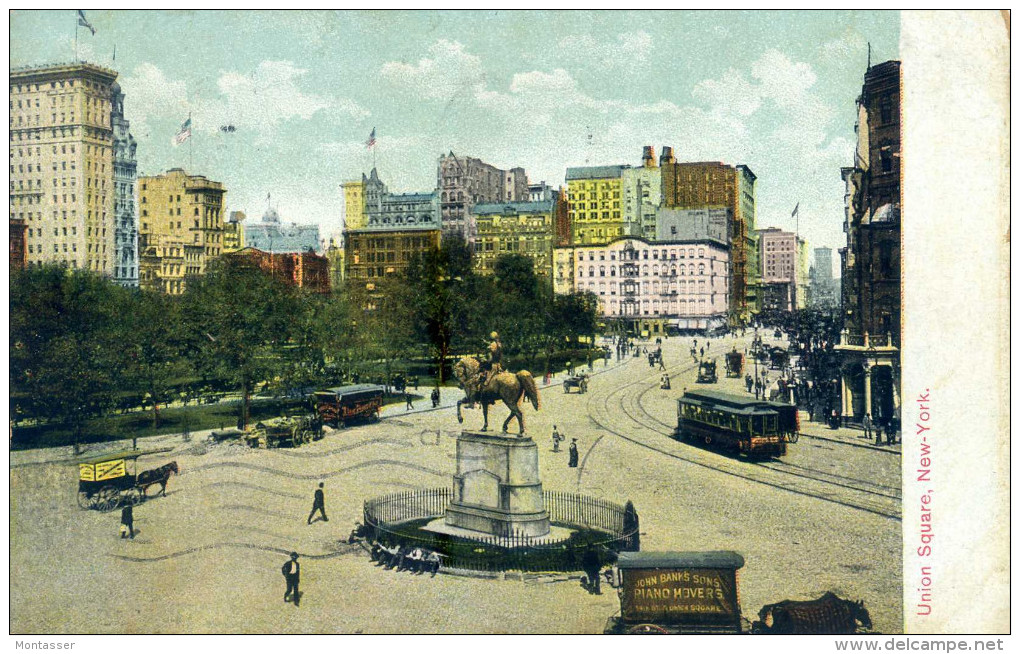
(542, 90)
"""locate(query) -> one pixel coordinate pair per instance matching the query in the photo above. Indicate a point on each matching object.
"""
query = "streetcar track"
(778, 464)
(861, 504)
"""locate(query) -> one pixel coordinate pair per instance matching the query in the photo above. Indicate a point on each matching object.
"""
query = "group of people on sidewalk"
(417, 560)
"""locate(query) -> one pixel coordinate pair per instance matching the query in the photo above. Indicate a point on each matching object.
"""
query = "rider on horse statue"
(493, 364)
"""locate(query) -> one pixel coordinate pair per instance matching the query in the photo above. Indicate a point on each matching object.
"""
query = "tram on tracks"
(736, 423)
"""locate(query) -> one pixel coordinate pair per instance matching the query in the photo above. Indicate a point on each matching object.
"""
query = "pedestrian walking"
(708, 345)
(878, 433)
(572, 461)
(867, 425)
(591, 564)
(318, 504)
(702, 351)
(292, 573)
(408, 399)
(749, 382)
(662, 366)
(127, 522)
(435, 397)
(556, 438)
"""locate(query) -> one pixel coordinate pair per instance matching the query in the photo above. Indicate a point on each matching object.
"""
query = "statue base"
(496, 490)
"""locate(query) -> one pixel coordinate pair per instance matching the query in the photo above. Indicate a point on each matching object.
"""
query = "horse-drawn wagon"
(108, 480)
(576, 382)
(336, 406)
(291, 432)
(678, 593)
(707, 373)
(734, 363)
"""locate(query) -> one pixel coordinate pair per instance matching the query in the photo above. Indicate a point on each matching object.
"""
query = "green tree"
(66, 352)
(521, 312)
(154, 343)
(437, 292)
(239, 320)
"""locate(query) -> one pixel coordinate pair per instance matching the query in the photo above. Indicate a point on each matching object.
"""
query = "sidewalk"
(846, 435)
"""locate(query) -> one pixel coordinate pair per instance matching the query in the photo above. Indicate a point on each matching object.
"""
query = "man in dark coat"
(572, 462)
(292, 573)
(127, 519)
(319, 504)
(590, 562)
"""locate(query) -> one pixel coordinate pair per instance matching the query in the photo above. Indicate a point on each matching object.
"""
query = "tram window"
(770, 424)
(756, 425)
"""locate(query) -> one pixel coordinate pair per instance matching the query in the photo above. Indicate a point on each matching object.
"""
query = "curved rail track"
(647, 431)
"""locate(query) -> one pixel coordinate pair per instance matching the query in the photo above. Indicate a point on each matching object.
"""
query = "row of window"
(625, 270)
(647, 288)
(632, 255)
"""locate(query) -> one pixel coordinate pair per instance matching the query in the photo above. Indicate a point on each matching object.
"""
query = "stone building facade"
(515, 228)
(180, 228)
(272, 235)
(707, 185)
(62, 164)
(642, 195)
(870, 262)
(652, 286)
(463, 182)
(778, 255)
(125, 173)
(595, 203)
(300, 269)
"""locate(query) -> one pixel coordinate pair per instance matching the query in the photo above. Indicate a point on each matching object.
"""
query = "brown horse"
(507, 386)
(157, 476)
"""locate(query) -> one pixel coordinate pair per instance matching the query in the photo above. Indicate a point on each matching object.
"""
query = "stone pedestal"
(496, 490)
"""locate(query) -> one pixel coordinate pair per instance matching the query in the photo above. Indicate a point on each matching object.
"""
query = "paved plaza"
(207, 556)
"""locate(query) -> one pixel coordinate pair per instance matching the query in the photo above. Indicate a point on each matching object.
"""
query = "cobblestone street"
(207, 556)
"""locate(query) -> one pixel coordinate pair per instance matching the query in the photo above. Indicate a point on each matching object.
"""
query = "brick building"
(870, 262)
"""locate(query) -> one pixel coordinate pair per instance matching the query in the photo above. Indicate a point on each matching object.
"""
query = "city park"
(91, 361)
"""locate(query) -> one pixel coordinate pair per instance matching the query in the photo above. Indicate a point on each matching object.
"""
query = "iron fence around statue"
(399, 518)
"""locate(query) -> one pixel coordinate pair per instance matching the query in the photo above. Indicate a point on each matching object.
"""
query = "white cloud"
(447, 72)
(149, 94)
(627, 49)
(256, 102)
(732, 94)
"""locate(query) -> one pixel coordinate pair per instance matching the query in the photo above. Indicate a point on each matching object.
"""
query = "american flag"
(371, 139)
(84, 22)
(184, 133)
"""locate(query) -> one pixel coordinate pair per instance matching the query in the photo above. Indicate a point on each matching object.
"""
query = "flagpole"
(76, 36)
(191, 146)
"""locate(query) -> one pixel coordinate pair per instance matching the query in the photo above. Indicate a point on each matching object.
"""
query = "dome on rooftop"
(270, 216)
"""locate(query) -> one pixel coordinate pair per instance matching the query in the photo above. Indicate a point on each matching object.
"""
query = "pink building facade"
(778, 256)
(652, 286)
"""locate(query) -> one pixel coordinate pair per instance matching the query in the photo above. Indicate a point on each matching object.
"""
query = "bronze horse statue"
(507, 386)
(829, 614)
(157, 476)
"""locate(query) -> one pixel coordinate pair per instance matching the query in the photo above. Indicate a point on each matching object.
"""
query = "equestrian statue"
(486, 382)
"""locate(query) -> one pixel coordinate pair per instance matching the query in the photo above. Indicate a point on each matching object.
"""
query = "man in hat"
(572, 462)
(494, 358)
(292, 573)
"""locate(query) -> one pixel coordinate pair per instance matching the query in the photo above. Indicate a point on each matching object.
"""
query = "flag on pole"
(184, 133)
(794, 214)
(371, 139)
(84, 22)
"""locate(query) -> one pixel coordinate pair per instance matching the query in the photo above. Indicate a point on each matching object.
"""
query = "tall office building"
(125, 270)
(62, 173)
(181, 228)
